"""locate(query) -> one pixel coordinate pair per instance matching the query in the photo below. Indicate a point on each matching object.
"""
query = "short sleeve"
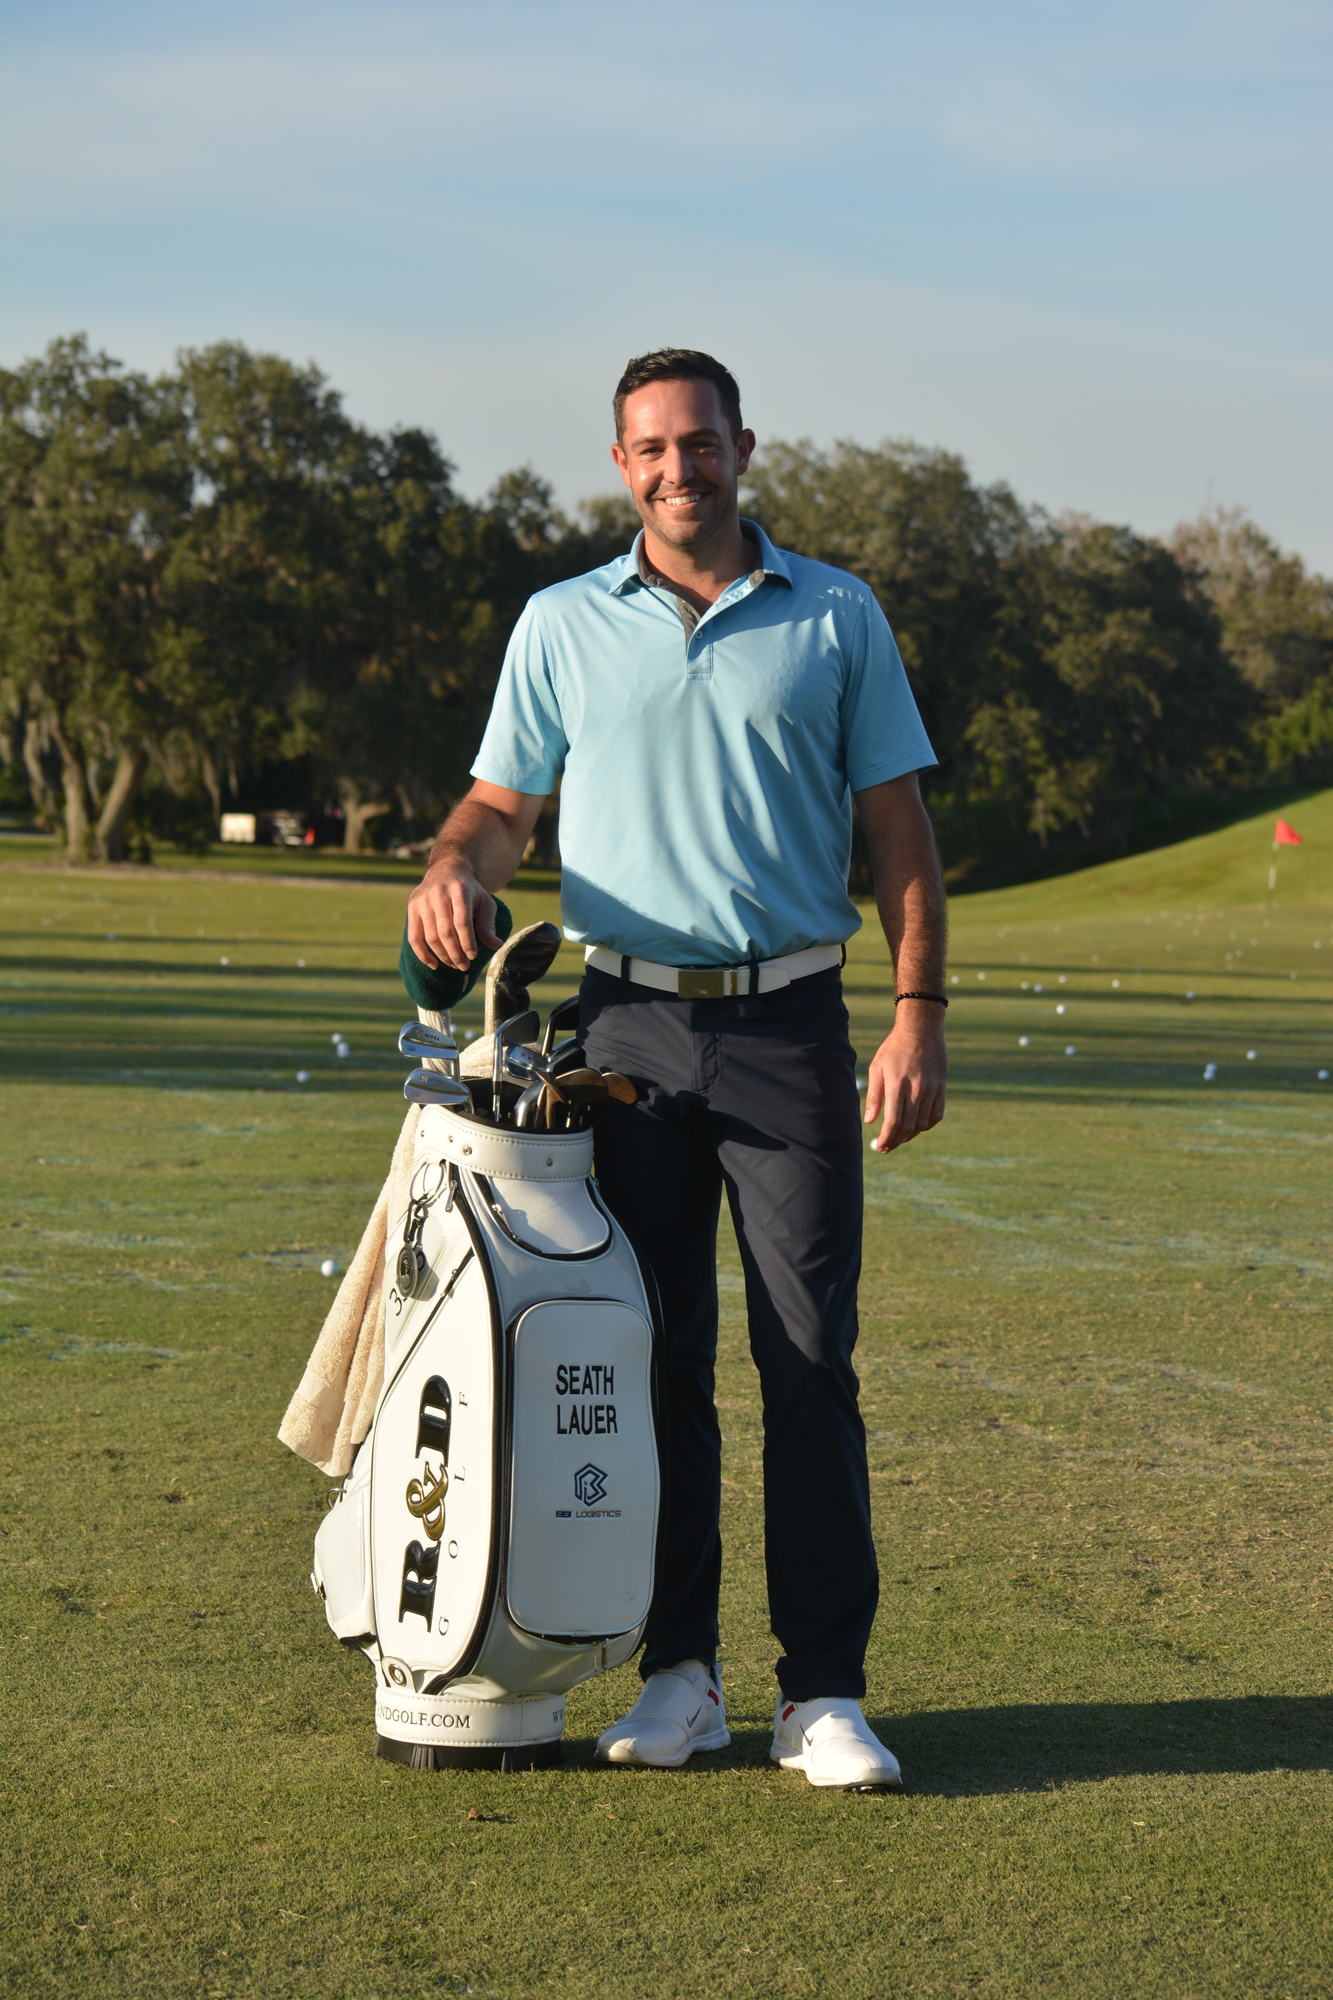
(883, 735)
(524, 744)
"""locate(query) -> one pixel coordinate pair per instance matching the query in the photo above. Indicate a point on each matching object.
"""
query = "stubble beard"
(697, 537)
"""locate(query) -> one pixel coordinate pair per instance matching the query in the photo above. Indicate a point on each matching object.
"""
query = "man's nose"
(677, 466)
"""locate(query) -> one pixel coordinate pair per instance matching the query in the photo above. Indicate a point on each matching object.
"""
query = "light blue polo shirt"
(705, 808)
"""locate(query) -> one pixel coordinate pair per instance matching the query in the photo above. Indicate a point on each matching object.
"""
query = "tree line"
(216, 588)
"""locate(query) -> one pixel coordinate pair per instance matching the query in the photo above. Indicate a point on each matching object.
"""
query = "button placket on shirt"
(699, 666)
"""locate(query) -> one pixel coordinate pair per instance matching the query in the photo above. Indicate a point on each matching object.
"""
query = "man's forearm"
(909, 893)
(480, 840)
(906, 1081)
(475, 853)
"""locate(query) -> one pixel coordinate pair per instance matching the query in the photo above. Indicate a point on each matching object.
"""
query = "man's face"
(680, 462)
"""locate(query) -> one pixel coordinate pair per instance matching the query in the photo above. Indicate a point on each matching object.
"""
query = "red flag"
(1286, 836)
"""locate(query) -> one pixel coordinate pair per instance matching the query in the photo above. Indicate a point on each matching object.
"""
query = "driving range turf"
(1095, 1357)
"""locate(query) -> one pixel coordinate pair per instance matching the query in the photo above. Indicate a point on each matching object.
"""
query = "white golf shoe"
(680, 1711)
(834, 1745)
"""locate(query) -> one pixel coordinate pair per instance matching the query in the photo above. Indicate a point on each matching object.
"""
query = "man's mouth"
(680, 499)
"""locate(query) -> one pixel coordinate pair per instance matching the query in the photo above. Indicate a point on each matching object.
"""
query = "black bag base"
(443, 1757)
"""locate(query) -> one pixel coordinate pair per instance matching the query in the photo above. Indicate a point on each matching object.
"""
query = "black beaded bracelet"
(940, 999)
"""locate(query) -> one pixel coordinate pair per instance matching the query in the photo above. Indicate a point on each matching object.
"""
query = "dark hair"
(678, 364)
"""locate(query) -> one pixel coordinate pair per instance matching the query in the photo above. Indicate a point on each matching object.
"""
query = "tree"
(1112, 683)
(263, 579)
(1277, 619)
(1277, 626)
(93, 488)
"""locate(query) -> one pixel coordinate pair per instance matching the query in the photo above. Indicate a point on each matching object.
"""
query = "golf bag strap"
(714, 982)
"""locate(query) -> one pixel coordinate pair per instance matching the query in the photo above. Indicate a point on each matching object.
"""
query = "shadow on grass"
(957, 1752)
(967, 1752)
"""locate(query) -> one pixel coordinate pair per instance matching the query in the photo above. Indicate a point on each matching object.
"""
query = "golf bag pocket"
(582, 1517)
(342, 1557)
(550, 1218)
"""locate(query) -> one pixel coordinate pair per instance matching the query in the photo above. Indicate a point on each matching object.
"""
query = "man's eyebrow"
(703, 431)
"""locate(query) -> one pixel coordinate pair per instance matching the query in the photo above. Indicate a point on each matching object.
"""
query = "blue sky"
(1084, 245)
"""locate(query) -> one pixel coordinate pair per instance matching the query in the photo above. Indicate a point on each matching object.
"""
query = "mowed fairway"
(1095, 1356)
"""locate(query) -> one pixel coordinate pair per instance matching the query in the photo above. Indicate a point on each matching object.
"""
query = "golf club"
(595, 1086)
(436, 1086)
(518, 1028)
(525, 1111)
(564, 1014)
(417, 1040)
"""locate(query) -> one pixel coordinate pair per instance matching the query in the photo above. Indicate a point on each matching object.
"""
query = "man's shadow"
(954, 1753)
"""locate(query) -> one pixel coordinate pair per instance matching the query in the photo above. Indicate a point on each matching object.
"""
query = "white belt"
(715, 982)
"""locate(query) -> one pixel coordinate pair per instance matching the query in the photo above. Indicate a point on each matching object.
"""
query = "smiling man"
(712, 704)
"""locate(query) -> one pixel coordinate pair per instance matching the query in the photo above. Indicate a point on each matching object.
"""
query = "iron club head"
(518, 1028)
(436, 1086)
(564, 1014)
(417, 1039)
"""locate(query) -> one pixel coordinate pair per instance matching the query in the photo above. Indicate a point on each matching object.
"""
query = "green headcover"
(442, 989)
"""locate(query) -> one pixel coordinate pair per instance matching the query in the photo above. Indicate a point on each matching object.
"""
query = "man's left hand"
(907, 1076)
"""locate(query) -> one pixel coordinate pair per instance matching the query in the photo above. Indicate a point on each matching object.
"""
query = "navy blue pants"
(757, 1096)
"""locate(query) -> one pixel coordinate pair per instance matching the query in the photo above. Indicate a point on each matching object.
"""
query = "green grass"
(1096, 1366)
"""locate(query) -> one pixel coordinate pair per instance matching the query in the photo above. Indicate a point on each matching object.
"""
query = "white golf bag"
(493, 1544)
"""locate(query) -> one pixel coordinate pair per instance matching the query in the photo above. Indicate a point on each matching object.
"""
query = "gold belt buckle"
(703, 982)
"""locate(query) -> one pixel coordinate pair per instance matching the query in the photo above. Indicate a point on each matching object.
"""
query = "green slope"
(1230, 866)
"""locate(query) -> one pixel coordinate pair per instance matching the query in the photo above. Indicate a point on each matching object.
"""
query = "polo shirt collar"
(772, 562)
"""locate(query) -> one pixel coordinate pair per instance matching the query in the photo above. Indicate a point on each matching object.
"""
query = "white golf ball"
(1115, 982)
(300, 961)
(470, 1034)
(1322, 1075)
(342, 1052)
(1209, 1072)
(1024, 1041)
(336, 1037)
(1070, 1050)
(1038, 988)
(981, 975)
(329, 1268)
(224, 961)
(303, 1076)
(1189, 996)
(1060, 1007)
(1251, 1055)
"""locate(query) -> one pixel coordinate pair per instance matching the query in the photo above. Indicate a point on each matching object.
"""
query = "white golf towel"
(332, 1410)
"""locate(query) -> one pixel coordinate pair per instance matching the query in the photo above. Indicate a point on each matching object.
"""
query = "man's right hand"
(450, 916)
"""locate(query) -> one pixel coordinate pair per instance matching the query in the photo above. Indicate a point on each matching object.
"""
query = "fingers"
(449, 921)
(911, 1105)
(416, 936)
(458, 910)
(483, 918)
(431, 930)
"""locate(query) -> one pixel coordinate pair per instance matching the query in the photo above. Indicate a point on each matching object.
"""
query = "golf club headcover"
(439, 990)
(521, 960)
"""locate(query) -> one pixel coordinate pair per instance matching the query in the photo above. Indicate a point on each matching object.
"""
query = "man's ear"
(618, 454)
(744, 451)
